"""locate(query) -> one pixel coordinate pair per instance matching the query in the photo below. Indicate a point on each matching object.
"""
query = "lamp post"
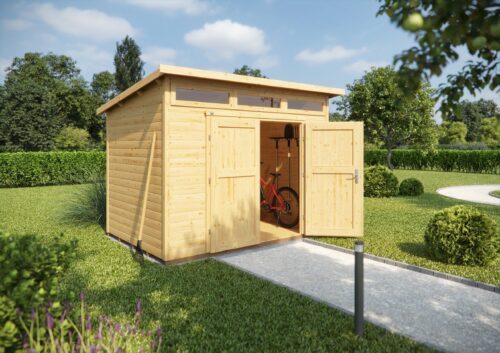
(358, 288)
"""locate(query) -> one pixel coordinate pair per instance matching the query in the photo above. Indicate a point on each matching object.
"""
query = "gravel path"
(447, 315)
(473, 193)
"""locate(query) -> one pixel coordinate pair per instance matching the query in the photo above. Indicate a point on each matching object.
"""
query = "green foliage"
(411, 187)
(30, 271)
(462, 235)
(129, 68)
(453, 133)
(103, 86)
(72, 139)
(49, 168)
(390, 117)
(380, 182)
(447, 26)
(470, 161)
(472, 114)
(490, 131)
(88, 204)
(78, 331)
(245, 70)
(187, 301)
(41, 94)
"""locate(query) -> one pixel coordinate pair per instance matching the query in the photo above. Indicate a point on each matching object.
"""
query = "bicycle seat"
(275, 174)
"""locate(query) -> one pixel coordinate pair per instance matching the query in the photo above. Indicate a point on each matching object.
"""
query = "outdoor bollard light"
(358, 288)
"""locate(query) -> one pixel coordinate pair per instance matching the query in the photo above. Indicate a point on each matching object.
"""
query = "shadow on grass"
(416, 249)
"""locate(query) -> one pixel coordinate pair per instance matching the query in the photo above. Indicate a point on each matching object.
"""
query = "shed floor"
(270, 232)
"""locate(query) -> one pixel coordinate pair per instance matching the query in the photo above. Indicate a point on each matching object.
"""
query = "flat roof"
(217, 76)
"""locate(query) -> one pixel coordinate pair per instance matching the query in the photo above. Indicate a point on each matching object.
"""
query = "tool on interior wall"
(145, 196)
(289, 135)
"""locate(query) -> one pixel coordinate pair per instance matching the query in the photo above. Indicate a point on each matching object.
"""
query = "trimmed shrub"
(380, 182)
(462, 235)
(30, 271)
(50, 168)
(470, 161)
(72, 139)
(411, 187)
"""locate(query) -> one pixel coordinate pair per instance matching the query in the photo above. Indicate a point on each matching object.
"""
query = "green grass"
(394, 227)
(495, 193)
(203, 306)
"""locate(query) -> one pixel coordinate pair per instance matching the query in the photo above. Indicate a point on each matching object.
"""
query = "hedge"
(470, 161)
(50, 168)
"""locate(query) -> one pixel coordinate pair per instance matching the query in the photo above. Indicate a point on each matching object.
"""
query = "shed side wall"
(130, 129)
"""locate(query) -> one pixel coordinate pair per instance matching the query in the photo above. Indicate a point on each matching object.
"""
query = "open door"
(334, 179)
(235, 193)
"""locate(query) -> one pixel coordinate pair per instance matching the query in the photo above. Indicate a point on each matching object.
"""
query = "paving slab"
(447, 315)
(472, 193)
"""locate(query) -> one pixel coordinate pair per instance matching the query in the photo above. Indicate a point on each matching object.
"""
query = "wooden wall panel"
(187, 181)
(130, 129)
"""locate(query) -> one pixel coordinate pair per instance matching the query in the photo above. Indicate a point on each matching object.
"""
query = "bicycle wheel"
(289, 216)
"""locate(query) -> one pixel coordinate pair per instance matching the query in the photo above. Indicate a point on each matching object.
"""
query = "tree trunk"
(389, 157)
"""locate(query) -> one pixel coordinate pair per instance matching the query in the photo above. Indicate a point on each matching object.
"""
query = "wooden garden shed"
(187, 148)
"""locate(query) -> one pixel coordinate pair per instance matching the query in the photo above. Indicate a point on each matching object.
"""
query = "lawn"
(203, 306)
(394, 227)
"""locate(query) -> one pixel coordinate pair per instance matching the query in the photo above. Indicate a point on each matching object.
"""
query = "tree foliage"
(441, 28)
(452, 133)
(490, 131)
(41, 94)
(245, 70)
(472, 115)
(129, 68)
(72, 139)
(391, 117)
(103, 86)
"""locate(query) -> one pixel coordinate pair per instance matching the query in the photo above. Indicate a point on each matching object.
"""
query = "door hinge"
(356, 176)
(209, 181)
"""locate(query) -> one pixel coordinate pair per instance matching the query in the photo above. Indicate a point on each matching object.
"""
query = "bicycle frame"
(267, 191)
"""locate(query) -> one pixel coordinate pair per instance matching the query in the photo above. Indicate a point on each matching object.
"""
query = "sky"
(321, 42)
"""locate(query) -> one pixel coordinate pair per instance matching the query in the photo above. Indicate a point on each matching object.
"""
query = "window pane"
(305, 105)
(202, 96)
(257, 101)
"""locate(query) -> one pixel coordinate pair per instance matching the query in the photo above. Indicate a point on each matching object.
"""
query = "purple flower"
(99, 332)
(32, 350)
(138, 307)
(82, 296)
(33, 314)
(119, 350)
(117, 327)
(18, 312)
(50, 322)
(158, 331)
(93, 349)
(88, 323)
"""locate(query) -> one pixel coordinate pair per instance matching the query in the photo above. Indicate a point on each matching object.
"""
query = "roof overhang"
(217, 76)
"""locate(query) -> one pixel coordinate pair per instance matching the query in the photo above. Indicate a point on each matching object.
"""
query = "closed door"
(334, 179)
(235, 207)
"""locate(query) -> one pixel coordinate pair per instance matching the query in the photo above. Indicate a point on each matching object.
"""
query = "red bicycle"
(282, 202)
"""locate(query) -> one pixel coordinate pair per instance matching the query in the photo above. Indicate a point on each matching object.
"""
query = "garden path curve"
(447, 315)
(472, 193)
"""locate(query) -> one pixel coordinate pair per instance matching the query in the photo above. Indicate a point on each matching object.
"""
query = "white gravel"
(472, 193)
(450, 316)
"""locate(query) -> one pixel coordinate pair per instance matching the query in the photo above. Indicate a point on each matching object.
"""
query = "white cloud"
(18, 24)
(155, 56)
(266, 62)
(189, 7)
(327, 54)
(361, 66)
(91, 59)
(4, 64)
(89, 24)
(225, 39)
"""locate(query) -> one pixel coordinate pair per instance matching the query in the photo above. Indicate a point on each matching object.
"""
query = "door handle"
(356, 176)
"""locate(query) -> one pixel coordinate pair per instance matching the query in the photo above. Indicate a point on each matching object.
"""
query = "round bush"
(380, 182)
(411, 187)
(462, 235)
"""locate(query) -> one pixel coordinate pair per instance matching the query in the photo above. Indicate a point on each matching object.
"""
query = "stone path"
(447, 315)
(472, 193)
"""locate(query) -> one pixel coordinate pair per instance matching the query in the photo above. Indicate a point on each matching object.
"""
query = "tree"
(245, 70)
(41, 94)
(129, 68)
(440, 28)
(472, 114)
(390, 116)
(453, 133)
(490, 131)
(103, 86)
(72, 139)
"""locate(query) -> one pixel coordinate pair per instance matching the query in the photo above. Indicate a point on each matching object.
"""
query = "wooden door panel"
(334, 197)
(235, 183)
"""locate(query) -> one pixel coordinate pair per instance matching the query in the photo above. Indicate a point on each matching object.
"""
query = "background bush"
(411, 187)
(462, 235)
(30, 271)
(72, 139)
(50, 168)
(380, 182)
(471, 161)
(88, 205)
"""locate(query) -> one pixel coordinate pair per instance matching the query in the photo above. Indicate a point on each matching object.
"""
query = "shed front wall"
(130, 128)
(187, 157)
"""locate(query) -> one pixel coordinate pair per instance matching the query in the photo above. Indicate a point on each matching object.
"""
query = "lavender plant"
(56, 329)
